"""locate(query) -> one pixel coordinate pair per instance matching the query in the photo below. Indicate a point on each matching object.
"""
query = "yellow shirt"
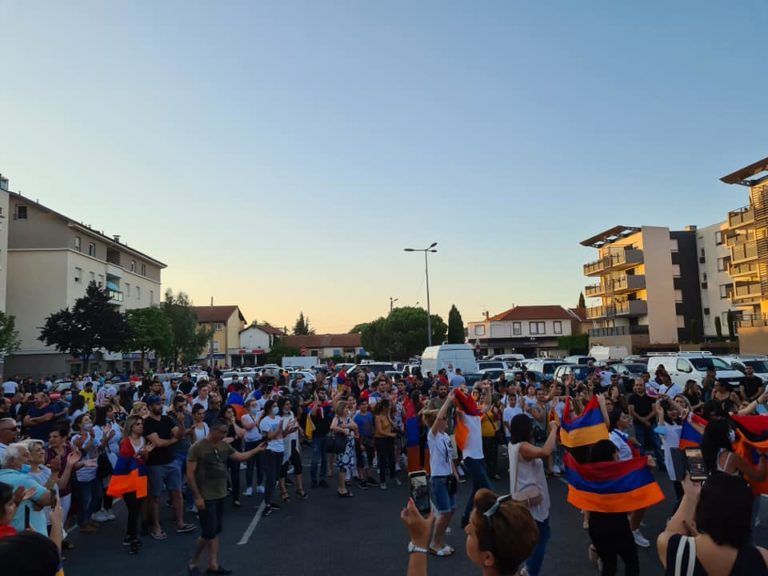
(90, 402)
(489, 431)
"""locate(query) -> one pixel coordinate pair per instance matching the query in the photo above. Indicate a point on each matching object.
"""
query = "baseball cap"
(152, 399)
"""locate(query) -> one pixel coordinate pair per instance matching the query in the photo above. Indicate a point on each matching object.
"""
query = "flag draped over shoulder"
(617, 486)
(690, 437)
(751, 441)
(129, 475)
(467, 405)
(415, 442)
(587, 428)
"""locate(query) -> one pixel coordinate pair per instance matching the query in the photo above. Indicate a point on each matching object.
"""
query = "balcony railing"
(115, 295)
(629, 308)
(743, 252)
(614, 260)
(746, 292)
(741, 217)
(752, 321)
(594, 290)
(618, 331)
(742, 269)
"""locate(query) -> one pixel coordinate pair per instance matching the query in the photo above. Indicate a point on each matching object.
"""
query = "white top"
(670, 439)
(440, 451)
(10, 387)
(289, 420)
(90, 452)
(200, 433)
(670, 391)
(268, 425)
(531, 473)
(474, 447)
(508, 414)
(254, 434)
(621, 441)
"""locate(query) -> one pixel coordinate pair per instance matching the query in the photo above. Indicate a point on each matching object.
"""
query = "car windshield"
(702, 364)
(760, 366)
(549, 367)
(635, 368)
(582, 372)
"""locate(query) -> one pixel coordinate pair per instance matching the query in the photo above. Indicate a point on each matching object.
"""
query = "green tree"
(278, 350)
(718, 328)
(92, 325)
(401, 334)
(358, 328)
(149, 330)
(455, 326)
(576, 344)
(9, 336)
(302, 327)
(188, 340)
(582, 303)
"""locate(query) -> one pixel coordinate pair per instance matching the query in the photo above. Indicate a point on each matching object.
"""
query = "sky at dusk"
(280, 155)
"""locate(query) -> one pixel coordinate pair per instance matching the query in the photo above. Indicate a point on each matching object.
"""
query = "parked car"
(628, 372)
(498, 364)
(546, 366)
(758, 363)
(686, 366)
(579, 371)
(579, 359)
(509, 358)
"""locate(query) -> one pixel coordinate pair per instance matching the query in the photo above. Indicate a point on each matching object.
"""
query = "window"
(93, 277)
(726, 290)
(718, 238)
(151, 297)
(219, 326)
(682, 365)
(480, 330)
(78, 243)
(723, 264)
(704, 277)
(558, 326)
(215, 346)
(127, 287)
(536, 328)
(91, 249)
(702, 253)
(101, 280)
(143, 269)
(706, 311)
(517, 329)
(138, 292)
(78, 274)
(21, 212)
(133, 265)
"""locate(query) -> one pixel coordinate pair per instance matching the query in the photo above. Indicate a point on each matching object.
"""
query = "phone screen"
(695, 461)
(420, 491)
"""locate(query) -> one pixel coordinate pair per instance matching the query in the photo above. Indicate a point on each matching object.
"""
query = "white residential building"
(51, 260)
(716, 283)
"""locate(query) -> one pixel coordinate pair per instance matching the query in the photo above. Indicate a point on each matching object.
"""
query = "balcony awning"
(609, 235)
(112, 286)
(741, 176)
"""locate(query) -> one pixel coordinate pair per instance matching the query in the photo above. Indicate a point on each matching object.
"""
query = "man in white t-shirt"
(10, 387)
(470, 415)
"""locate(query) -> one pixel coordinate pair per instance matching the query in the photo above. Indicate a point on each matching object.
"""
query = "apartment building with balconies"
(645, 287)
(746, 237)
(51, 260)
(717, 294)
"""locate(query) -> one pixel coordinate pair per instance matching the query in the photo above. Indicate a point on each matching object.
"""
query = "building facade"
(5, 199)
(51, 259)
(255, 341)
(529, 330)
(225, 323)
(715, 280)
(647, 286)
(327, 346)
(746, 237)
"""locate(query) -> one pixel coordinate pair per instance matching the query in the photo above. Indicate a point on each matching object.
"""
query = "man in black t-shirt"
(321, 413)
(641, 408)
(751, 386)
(162, 470)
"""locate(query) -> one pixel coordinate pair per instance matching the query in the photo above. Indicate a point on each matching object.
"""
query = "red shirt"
(7, 530)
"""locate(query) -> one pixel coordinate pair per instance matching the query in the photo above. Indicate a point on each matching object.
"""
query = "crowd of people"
(66, 457)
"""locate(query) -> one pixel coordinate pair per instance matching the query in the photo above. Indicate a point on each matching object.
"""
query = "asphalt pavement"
(326, 534)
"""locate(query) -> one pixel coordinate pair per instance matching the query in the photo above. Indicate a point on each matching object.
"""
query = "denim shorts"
(159, 475)
(443, 501)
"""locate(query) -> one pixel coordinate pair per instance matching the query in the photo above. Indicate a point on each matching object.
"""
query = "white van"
(450, 357)
(758, 363)
(686, 366)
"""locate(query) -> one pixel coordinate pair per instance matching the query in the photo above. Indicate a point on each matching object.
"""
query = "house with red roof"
(529, 330)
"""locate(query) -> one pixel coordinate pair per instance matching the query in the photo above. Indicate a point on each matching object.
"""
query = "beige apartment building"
(646, 288)
(225, 324)
(746, 236)
(51, 259)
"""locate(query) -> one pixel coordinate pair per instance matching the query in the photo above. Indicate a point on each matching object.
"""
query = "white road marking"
(252, 525)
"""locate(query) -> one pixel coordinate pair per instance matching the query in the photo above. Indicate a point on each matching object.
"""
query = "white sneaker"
(109, 515)
(259, 489)
(99, 516)
(248, 491)
(383, 485)
(640, 540)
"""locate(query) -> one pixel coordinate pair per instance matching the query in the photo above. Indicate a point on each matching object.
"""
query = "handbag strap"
(686, 542)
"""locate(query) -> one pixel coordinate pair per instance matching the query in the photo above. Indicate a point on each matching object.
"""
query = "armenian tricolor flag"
(618, 486)
(751, 441)
(415, 442)
(690, 437)
(469, 407)
(129, 475)
(587, 428)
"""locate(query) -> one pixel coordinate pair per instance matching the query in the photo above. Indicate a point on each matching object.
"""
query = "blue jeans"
(475, 468)
(250, 463)
(648, 439)
(318, 457)
(180, 458)
(89, 495)
(533, 564)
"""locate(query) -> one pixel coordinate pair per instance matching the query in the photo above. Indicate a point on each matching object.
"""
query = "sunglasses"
(495, 507)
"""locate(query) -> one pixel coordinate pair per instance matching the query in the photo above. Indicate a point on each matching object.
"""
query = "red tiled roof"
(216, 313)
(266, 328)
(533, 313)
(324, 341)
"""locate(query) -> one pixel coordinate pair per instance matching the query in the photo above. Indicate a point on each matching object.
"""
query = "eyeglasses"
(495, 508)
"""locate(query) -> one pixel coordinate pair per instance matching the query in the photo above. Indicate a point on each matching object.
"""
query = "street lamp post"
(392, 303)
(426, 251)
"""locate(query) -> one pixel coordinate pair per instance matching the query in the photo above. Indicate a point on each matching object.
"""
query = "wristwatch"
(413, 548)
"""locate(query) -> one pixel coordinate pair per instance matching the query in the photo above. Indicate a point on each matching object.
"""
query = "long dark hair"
(520, 428)
(715, 438)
